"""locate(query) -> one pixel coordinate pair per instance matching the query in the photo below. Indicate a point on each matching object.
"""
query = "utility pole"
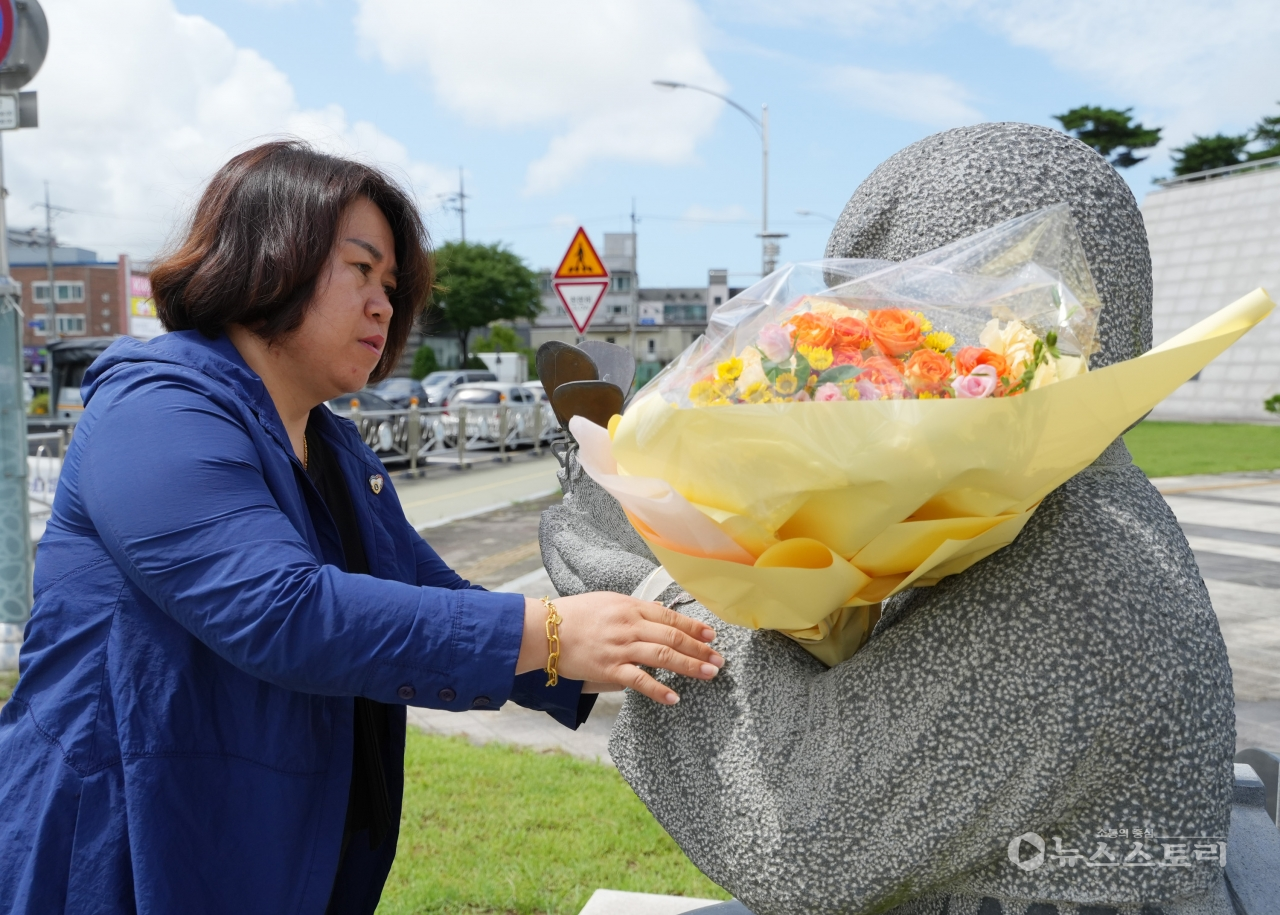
(462, 205)
(51, 305)
(15, 556)
(634, 305)
(26, 35)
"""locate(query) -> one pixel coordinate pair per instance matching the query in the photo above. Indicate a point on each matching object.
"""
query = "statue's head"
(962, 181)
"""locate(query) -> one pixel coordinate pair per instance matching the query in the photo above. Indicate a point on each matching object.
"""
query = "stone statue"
(1073, 685)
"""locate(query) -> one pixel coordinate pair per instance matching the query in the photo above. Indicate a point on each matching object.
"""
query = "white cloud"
(1189, 65)
(139, 105)
(928, 98)
(579, 68)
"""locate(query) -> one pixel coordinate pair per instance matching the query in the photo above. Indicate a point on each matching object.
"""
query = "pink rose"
(978, 383)
(775, 343)
(802, 397)
(826, 392)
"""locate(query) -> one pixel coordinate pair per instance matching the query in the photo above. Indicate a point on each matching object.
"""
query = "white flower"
(1015, 342)
(752, 370)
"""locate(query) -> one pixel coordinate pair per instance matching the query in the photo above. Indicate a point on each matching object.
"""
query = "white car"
(482, 401)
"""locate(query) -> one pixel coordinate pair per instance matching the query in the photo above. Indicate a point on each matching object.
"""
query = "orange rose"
(927, 370)
(851, 333)
(970, 357)
(894, 331)
(847, 357)
(882, 371)
(813, 330)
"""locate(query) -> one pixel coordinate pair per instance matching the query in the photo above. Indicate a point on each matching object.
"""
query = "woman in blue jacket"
(232, 611)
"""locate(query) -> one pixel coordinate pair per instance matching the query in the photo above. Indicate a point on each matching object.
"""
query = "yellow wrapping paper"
(801, 517)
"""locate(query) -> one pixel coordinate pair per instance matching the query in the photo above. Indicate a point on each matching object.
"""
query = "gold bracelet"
(553, 642)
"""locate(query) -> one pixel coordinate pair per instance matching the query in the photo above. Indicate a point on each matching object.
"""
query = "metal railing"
(408, 439)
(459, 436)
(44, 466)
(1222, 172)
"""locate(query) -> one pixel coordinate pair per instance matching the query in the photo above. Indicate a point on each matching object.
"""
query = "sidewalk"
(446, 494)
(1232, 522)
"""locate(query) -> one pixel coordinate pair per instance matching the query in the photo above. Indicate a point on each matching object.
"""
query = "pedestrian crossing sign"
(581, 261)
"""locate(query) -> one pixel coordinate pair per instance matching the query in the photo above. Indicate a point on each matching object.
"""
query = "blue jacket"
(180, 738)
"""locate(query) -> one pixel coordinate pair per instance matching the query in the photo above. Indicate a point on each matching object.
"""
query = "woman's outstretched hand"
(605, 637)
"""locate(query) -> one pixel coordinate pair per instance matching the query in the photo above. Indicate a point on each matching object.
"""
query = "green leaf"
(839, 373)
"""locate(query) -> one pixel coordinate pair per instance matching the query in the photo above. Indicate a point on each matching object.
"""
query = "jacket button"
(406, 693)
(447, 695)
(480, 702)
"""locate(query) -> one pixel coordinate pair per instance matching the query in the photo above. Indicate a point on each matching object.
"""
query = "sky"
(548, 106)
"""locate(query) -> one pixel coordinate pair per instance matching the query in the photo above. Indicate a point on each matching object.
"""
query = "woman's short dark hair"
(263, 231)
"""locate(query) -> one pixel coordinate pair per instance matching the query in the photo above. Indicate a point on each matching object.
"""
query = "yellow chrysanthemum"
(718, 402)
(701, 393)
(819, 357)
(723, 388)
(786, 383)
(851, 391)
(926, 395)
(757, 393)
(939, 341)
(729, 370)
(925, 324)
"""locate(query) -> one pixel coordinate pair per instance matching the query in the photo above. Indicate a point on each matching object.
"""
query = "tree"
(479, 284)
(1266, 132)
(424, 363)
(1109, 130)
(1204, 153)
(504, 339)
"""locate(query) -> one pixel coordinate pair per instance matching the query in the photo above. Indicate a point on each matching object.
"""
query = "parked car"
(399, 391)
(439, 385)
(538, 390)
(482, 400)
(367, 400)
(380, 434)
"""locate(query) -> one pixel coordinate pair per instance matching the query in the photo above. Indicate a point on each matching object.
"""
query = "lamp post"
(768, 240)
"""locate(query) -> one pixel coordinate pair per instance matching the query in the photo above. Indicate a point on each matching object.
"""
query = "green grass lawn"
(8, 679)
(1178, 449)
(505, 830)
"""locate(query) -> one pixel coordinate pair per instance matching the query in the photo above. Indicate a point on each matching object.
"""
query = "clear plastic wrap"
(999, 313)
(800, 516)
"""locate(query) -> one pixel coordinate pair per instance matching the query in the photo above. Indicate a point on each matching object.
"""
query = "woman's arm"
(174, 486)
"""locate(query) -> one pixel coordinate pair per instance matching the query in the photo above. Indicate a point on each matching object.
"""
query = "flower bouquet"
(847, 429)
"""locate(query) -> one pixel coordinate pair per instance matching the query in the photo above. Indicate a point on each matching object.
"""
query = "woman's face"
(342, 336)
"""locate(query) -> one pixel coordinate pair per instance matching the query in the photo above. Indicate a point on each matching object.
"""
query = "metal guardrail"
(415, 437)
(44, 466)
(459, 436)
(1222, 172)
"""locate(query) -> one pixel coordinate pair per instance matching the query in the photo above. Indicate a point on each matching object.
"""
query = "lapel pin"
(375, 483)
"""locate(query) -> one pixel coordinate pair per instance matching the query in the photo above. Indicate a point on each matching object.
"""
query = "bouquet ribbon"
(802, 517)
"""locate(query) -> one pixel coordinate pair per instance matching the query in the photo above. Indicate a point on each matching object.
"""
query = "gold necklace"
(305, 450)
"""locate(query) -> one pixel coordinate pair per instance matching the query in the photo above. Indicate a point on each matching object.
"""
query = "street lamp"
(768, 245)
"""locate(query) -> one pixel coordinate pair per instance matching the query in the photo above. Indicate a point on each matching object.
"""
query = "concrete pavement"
(1232, 522)
(446, 494)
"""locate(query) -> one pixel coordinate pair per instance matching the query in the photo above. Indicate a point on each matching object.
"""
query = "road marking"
(1167, 492)
(466, 492)
(1235, 548)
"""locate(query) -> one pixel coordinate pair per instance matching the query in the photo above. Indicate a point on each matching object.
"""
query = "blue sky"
(548, 108)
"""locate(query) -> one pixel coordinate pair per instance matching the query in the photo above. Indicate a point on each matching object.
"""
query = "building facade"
(656, 324)
(91, 298)
(1214, 237)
